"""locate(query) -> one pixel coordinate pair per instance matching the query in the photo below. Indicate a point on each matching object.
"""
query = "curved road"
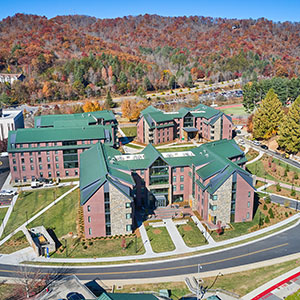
(282, 244)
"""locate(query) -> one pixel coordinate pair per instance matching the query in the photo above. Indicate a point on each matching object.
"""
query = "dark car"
(264, 147)
(75, 296)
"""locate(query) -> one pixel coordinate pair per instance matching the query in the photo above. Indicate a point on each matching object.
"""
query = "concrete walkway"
(175, 236)
(205, 233)
(278, 287)
(284, 185)
(38, 214)
(260, 155)
(146, 241)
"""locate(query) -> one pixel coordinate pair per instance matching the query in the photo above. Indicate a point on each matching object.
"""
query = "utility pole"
(198, 286)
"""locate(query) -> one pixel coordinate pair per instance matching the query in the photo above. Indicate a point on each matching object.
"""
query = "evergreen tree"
(268, 117)
(147, 84)
(108, 101)
(190, 82)
(289, 133)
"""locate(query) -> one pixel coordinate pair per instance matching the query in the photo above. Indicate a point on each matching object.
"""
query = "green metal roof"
(73, 120)
(39, 135)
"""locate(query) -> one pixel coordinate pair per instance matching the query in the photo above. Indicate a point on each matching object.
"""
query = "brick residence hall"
(52, 148)
(210, 178)
(202, 123)
(114, 186)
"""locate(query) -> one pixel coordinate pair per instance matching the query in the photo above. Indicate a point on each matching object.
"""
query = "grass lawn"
(240, 111)
(295, 296)
(259, 184)
(257, 168)
(15, 243)
(60, 217)
(160, 239)
(175, 149)
(251, 154)
(238, 229)
(191, 234)
(240, 283)
(3, 211)
(283, 192)
(31, 202)
(134, 146)
(8, 290)
(100, 248)
(129, 131)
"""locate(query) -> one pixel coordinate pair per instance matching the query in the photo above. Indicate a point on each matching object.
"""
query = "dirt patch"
(157, 231)
(187, 228)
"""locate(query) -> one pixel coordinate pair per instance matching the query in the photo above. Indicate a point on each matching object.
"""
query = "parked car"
(7, 193)
(264, 147)
(36, 184)
(49, 184)
(286, 155)
(75, 296)
(256, 143)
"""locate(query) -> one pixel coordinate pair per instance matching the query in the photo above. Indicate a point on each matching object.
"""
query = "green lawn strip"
(295, 296)
(3, 211)
(133, 146)
(238, 229)
(31, 202)
(100, 248)
(61, 217)
(69, 179)
(17, 242)
(170, 256)
(251, 154)
(175, 149)
(240, 111)
(129, 131)
(160, 239)
(191, 234)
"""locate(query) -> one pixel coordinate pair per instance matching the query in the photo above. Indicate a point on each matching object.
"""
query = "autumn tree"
(268, 117)
(131, 109)
(90, 106)
(289, 131)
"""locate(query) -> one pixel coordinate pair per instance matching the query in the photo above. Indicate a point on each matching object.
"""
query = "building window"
(15, 169)
(48, 152)
(213, 207)
(24, 179)
(22, 160)
(40, 159)
(57, 166)
(57, 174)
(31, 159)
(249, 194)
(41, 174)
(128, 227)
(48, 158)
(248, 204)
(181, 178)
(174, 188)
(181, 187)
(13, 155)
(31, 167)
(41, 167)
(90, 231)
(88, 208)
(49, 174)
(174, 170)
(56, 158)
(56, 152)
(214, 197)
(76, 172)
(248, 215)
(23, 168)
(108, 229)
(127, 205)
(128, 216)
(142, 172)
(14, 160)
(89, 219)
(174, 178)
(30, 153)
(22, 154)
(49, 166)
(67, 173)
(181, 169)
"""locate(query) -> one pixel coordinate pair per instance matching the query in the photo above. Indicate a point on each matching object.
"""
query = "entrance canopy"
(190, 129)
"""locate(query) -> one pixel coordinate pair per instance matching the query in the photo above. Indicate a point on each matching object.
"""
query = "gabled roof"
(73, 120)
(96, 167)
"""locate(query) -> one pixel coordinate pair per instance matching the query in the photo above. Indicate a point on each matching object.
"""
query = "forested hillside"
(68, 57)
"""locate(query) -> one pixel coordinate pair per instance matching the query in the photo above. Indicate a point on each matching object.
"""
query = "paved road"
(282, 244)
(4, 170)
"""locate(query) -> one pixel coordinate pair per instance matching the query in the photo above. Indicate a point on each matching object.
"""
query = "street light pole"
(198, 287)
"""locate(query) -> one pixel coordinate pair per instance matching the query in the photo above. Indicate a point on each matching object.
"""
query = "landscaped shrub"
(278, 187)
(85, 247)
(268, 199)
(82, 243)
(265, 207)
(296, 175)
(286, 214)
(90, 243)
(271, 213)
(267, 220)
(293, 193)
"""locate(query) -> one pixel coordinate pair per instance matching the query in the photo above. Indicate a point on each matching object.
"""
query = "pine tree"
(289, 133)
(108, 101)
(268, 117)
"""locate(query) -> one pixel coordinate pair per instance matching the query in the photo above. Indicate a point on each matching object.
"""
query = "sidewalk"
(284, 185)
(206, 234)
(260, 155)
(278, 288)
